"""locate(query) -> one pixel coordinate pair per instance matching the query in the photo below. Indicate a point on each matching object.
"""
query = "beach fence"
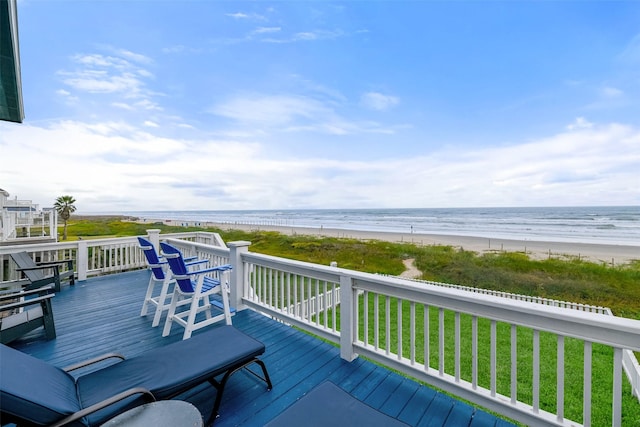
(630, 363)
(316, 304)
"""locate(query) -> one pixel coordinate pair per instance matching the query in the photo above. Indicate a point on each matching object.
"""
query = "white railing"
(20, 226)
(95, 257)
(217, 255)
(298, 293)
(536, 363)
(474, 346)
(629, 360)
(519, 297)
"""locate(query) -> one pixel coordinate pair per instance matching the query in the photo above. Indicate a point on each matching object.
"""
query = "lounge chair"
(329, 405)
(196, 290)
(29, 310)
(160, 275)
(34, 392)
(35, 272)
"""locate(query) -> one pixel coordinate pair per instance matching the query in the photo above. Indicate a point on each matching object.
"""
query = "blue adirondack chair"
(160, 275)
(195, 290)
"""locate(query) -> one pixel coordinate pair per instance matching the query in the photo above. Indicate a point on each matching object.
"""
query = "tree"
(64, 206)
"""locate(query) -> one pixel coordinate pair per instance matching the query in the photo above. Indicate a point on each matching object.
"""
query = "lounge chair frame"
(35, 271)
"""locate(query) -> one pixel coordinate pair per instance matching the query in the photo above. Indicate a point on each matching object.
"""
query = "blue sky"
(143, 105)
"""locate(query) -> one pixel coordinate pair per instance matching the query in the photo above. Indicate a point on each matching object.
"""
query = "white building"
(22, 221)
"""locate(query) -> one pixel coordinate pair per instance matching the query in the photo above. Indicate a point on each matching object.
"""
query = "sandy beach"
(604, 253)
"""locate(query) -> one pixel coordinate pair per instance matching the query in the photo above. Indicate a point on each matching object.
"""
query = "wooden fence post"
(82, 260)
(347, 319)
(237, 285)
(154, 237)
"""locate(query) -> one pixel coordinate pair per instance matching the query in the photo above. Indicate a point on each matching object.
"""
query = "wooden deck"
(101, 315)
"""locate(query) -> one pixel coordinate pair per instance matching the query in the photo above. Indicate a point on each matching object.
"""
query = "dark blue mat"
(329, 405)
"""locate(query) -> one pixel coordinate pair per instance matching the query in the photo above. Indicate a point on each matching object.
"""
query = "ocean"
(603, 224)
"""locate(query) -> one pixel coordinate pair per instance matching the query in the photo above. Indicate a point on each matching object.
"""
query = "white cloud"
(122, 105)
(177, 49)
(97, 60)
(306, 36)
(580, 123)
(147, 104)
(378, 101)
(611, 92)
(134, 56)
(102, 74)
(115, 166)
(270, 110)
(247, 16)
(267, 30)
(95, 81)
(631, 53)
(67, 96)
(238, 15)
(293, 113)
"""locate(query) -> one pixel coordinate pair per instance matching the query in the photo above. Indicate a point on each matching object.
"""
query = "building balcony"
(389, 342)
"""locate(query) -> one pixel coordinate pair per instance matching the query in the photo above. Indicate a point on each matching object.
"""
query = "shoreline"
(610, 254)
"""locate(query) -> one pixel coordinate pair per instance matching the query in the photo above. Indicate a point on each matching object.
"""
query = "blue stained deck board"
(385, 390)
(415, 408)
(482, 419)
(397, 401)
(370, 383)
(438, 411)
(460, 415)
(101, 315)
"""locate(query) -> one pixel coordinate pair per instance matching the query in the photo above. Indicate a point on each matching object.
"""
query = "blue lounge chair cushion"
(329, 405)
(169, 370)
(34, 389)
(42, 394)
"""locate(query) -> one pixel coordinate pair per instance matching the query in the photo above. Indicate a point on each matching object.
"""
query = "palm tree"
(64, 206)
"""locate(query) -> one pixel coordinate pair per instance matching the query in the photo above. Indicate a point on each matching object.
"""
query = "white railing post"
(82, 260)
(236, 249)
(154, 237)
(347, 319)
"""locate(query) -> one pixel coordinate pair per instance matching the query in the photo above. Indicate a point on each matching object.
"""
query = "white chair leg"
(207, 308)
(191, 319)
(226, 308)
(225, 298)
(162, 302)
(147, 297)
(172, 311)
